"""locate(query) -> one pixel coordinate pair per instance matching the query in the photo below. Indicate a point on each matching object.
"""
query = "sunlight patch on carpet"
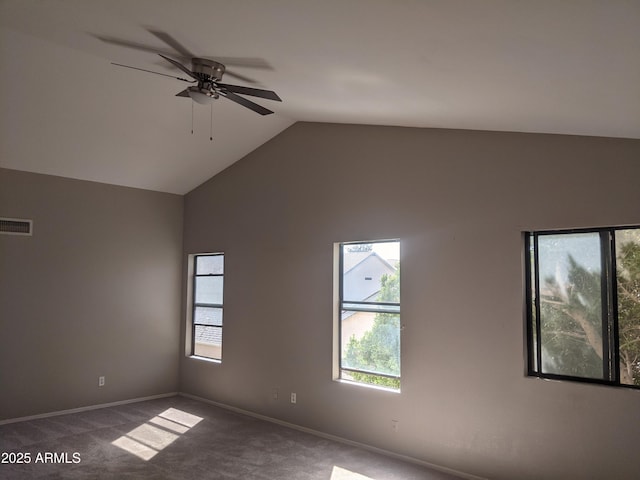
(338, 473)
(159, 432)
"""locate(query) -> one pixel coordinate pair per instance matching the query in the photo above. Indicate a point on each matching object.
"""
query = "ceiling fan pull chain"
(211, 125)
(191, 117)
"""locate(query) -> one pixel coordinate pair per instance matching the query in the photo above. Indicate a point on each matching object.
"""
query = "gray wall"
(95, 291)
(459, 201)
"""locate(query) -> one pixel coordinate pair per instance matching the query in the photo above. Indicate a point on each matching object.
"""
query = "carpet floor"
(179, 438)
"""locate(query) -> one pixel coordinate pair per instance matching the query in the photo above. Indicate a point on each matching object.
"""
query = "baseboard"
(335, 438)
(84, 409)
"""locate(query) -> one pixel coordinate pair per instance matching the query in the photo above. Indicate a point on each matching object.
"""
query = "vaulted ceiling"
(566, 67)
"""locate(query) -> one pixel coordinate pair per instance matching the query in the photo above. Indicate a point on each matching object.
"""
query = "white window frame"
(190, 340)
(339, 304)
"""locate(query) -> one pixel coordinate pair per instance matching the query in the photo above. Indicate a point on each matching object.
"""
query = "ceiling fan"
(206, 74)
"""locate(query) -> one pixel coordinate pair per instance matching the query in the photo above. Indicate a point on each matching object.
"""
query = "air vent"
(16, 226)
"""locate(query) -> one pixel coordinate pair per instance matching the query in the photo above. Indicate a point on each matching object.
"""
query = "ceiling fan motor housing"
(207, 69)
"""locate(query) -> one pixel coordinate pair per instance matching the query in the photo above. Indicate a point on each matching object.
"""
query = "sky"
(554, 251)
(389, 250)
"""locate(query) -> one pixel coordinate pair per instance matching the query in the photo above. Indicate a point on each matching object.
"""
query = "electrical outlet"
(101, 381)
(294, 399)
(394, 425)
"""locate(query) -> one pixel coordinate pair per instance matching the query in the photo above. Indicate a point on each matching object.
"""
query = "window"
(206, 325)
(369, 312)
(583, 305)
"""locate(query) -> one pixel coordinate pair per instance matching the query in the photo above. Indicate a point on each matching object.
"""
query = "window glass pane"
(208, 315)
(370, 272)
(371, 342)
(210, 264)
(571, 304)
(208, 342)
(209, 290)
(628, 281)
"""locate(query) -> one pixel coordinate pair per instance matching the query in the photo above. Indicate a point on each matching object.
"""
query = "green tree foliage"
(628, 278)
(571, 323)
(379, 348)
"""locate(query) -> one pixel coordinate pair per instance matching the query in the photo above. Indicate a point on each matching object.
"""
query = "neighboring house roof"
(362, 274)
(352, 259)
(210, 335)
(362, 280)
(349, 262)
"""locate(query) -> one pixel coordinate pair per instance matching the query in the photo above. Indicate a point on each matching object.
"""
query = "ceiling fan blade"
(136, 46)
(238, 76)
(180, 66)
(244, 62)
(246, 103)
(172, 42)
(183, 93)
(151, 71)
(254, 92)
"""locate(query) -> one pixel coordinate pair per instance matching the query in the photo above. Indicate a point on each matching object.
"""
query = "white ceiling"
(570, 67)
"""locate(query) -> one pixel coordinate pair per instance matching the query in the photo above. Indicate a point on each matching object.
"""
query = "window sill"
(581, 380)
(205, 359)
(367, 385)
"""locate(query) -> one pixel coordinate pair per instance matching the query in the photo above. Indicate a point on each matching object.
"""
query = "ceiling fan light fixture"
(203, 97)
